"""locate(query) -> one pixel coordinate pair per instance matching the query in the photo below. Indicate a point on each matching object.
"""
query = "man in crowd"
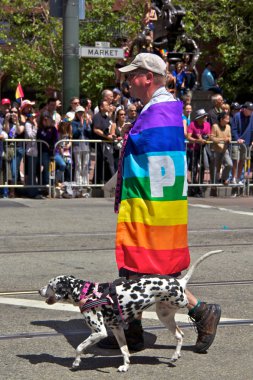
(107, 96)
(217, 101)
(101, 128)
(242, 132)
(74, 103)
(146, 237)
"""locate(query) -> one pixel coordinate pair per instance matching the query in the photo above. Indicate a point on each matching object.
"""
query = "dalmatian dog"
(134, 296)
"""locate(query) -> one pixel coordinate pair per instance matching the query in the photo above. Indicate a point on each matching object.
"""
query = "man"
(107, 96)
(51, 107)
(242, 132)
(151, 233)
(74, 103)
(208, 80)
(101, 128)
(217, 101)
(131, 113)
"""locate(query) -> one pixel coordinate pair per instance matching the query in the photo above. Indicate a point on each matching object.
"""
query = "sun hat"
(146, 61)
(5, 101)
(79, 109)
(25, 103)
(200, 113)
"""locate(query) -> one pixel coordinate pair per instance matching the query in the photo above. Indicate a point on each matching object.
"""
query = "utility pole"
(71, 72)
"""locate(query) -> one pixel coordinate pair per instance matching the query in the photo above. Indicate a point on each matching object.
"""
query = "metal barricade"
(89, 164)
(17, 168)
(205, 167)
(248, 170)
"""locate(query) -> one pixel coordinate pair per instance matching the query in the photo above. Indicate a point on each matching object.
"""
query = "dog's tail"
(188, 275)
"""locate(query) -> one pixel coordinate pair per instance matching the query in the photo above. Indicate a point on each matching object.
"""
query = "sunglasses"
(121, 114)
(76, 103)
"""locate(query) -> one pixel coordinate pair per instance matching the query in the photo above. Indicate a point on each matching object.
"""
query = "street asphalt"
(44, 238)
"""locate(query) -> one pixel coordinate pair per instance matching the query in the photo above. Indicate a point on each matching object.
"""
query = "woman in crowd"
(116, 131)
(221, 137)
(31, 154)
(46, 132)
(63, 154)
(198, 133)
(81, 131)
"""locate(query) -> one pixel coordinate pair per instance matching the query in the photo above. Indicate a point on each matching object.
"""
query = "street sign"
(102, 44)
(95, 52)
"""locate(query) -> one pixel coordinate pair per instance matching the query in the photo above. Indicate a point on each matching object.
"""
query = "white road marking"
(183, 318)
(223, 209)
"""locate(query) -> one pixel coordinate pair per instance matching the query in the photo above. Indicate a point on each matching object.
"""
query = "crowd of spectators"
(209, 134)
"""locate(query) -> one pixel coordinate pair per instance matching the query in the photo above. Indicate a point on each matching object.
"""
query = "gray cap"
(200, 113)
(146, 61)
(248, 106)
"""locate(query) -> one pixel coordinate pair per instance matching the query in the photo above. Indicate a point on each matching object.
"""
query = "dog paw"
(75, 364)
(123, 368)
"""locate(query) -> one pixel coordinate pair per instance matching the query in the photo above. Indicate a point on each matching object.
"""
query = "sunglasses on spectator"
(122, 114)
(75, 102)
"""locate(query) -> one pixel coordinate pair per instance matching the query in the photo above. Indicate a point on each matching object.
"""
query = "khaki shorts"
(238, 152)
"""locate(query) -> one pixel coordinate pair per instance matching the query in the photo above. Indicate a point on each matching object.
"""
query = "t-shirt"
(197, 131)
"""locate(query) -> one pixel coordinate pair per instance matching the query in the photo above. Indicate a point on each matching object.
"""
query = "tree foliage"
(223, 30)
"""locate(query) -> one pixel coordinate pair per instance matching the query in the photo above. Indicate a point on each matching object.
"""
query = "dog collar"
(85, 290)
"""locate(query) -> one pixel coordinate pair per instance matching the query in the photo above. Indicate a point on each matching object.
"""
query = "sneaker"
(233, 181)
(205, 318)
(240, 183)
(134, 338)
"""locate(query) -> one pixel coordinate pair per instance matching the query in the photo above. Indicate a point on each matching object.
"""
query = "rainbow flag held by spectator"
(19, 92)
(152, 221)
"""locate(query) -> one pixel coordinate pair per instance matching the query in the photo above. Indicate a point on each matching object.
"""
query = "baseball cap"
(25, 103)
(235, 106)
(248, 106)
(146, 61)
(117, 91)
(79, 109)
(5, 101)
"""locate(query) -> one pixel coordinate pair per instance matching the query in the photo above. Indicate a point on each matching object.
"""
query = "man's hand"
(240, 141)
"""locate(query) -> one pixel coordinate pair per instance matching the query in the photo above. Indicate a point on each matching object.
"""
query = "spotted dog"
(134, 296)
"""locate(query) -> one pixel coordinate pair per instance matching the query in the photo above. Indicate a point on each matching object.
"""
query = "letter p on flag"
(161, 173)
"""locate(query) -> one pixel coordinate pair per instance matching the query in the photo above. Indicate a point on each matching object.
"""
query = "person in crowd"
(51, 108)
(234, 108)
(217, 102)
(226, 108)
(170, 82)
(4, 110)
(149, 19)
(102, 131)
(198, 134)
(46, 132)
(135, 255)
(117, 133)
(131, 113)
(117, 102)
(74, 103)
(180, 76)
(25, 109)
(107, 96)
(31, 155)
(81, 131)
(187, 110)
(16, 149)
(242, 133)
(208, 80)
(63, 155)
(221, 137)
(87, 105)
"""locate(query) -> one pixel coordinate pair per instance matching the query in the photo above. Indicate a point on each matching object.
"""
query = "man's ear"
(150, 77)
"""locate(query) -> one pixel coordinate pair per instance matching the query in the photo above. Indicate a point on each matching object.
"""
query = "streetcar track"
(192, 284)
(232, 244)
(246, 322)
(223, 228)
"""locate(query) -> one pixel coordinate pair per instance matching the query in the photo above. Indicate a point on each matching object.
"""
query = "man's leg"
(206, 318)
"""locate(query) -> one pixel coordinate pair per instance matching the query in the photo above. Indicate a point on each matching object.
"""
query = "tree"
(223, 29)
(32, 52)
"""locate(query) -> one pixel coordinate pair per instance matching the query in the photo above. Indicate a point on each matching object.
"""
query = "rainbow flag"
(19, 92)
(152, 221)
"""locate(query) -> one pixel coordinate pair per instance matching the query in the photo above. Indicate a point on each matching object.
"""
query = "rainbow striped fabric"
(152, 221)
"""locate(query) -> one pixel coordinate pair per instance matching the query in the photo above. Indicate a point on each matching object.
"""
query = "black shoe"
(134, 338)
(206, 319)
